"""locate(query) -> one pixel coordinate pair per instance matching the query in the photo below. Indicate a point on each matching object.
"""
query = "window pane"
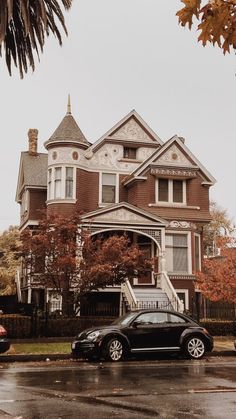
(177, 253)
(108, 194)
(163, 190)
(176, 319)
(177, 191)
(180, 259)
(58, 173)
(108, 188)
(129, 153)
(108, 179)
(180, 240)
(69, 173)
(69, 182)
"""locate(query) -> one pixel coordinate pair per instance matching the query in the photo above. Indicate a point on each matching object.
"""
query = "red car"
(4, 342)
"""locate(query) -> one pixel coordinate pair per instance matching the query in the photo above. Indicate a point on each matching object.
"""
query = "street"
(163, 388)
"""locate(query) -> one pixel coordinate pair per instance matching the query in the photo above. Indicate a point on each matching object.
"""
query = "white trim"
(199, 250)
(186, 292)
(189, 251)
(108, 172)
(173, 205)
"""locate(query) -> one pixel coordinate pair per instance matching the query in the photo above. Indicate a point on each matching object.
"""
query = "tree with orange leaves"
(217, 281)
(217, 21)
(68, 261)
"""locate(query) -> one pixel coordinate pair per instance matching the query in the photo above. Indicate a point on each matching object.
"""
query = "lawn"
(40, 348)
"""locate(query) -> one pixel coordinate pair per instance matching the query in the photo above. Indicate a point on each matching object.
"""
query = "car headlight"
(93, 335)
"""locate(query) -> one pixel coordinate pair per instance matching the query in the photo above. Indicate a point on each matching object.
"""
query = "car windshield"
(125, 319)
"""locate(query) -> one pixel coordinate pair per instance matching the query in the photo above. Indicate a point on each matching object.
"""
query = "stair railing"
(168, 288)
(128, 292)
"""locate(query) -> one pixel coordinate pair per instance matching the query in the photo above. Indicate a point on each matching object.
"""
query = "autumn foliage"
(217, 281)
(110, 262)
(67, 260)
(217, 21)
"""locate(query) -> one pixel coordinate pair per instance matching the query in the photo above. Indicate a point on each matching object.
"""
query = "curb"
(61, 357)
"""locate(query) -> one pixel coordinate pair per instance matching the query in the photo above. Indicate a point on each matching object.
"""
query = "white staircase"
(151, 298)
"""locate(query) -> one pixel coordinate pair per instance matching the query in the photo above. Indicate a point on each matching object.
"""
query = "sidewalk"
(223, 346)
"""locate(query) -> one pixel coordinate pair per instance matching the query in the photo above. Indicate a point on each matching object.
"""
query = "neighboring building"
(127, 181)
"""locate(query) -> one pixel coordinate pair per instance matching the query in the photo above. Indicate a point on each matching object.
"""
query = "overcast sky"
(122, 55)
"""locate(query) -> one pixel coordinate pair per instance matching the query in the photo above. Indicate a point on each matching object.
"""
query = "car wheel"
(114, 350)
(195, 347)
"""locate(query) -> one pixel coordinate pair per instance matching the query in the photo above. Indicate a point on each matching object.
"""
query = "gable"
(173, 156)
(132, 131)
(123, 213)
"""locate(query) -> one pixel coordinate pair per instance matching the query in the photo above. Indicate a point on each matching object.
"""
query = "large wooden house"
(127, 181)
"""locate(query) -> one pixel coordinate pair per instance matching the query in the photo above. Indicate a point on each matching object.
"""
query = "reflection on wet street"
(158, 388)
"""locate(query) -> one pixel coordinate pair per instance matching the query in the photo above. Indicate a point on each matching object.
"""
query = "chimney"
(33, 141)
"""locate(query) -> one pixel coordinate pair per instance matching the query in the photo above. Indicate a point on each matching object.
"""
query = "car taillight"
(3, 331)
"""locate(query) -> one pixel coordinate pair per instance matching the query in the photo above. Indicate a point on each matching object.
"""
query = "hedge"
(220, 327)
(20, 327)
(17, 326)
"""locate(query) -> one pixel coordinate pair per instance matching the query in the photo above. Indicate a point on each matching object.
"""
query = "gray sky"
(122, 55)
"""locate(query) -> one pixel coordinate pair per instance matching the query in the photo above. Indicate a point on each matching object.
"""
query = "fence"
(218, 311)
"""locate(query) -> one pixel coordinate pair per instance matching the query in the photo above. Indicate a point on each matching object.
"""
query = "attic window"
(129, 153)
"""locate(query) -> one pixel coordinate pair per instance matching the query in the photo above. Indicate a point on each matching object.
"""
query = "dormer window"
(172, 191)
(129, 153)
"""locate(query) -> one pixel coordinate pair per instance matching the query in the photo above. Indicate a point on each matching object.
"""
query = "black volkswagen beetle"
(144, 331)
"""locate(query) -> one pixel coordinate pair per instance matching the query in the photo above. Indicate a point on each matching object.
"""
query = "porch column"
(29, 295)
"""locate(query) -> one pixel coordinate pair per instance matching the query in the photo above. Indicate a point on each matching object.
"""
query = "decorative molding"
(121, 215)
(174, 156)
(132, 131)
(158, 171)
(182, 224)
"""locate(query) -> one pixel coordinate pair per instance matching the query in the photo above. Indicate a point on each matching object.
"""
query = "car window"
(152, 318)
(173, 318)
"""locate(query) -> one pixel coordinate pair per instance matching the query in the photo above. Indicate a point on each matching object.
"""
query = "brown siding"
(123, 192)
(63, 209)
(37, 202)
(87, 190)
(142, 193)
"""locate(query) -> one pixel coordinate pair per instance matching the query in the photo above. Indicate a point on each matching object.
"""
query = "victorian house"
(128, 181)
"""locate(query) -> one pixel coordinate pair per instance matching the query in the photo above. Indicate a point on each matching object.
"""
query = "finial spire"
(68, 106)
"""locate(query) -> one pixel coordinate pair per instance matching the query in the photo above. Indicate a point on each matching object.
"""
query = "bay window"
(61, 183)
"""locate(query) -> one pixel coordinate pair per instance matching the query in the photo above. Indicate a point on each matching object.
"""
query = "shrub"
(17, 326)
(220, 327)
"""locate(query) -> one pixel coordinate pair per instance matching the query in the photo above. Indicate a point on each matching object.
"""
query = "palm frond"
(24, 25)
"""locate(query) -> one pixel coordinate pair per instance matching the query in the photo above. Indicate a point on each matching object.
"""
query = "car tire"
(195, 347)
(114, 350)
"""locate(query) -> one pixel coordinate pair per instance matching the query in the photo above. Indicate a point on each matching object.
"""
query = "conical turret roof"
(68, 131)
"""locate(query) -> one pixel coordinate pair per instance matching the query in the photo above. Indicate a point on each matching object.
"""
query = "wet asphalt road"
(135, 389)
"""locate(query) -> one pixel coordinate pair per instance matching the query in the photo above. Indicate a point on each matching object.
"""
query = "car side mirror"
(136, 323)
